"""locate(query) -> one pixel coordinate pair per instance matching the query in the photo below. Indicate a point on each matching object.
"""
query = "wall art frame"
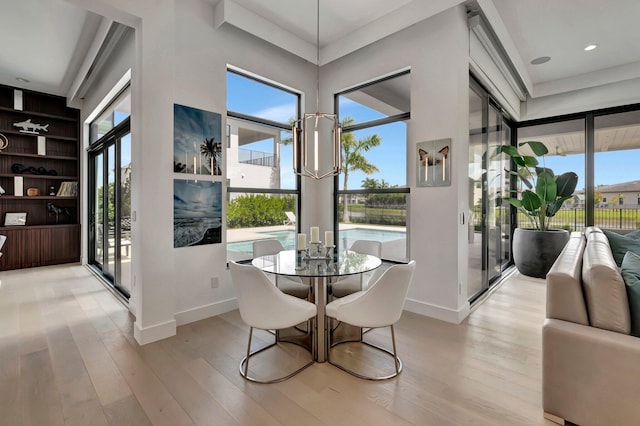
(433, 163)
(197, 141)
(197, 212)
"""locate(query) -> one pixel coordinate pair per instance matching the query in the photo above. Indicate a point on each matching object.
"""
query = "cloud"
(279, 113)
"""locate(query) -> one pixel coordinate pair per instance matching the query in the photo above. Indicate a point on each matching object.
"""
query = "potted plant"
(535, 249)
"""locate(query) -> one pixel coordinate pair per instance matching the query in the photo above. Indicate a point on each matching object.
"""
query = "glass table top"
(345, 263)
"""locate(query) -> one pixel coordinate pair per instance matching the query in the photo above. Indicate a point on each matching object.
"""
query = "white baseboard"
(154, 333)
(206, 311)
(437, 312)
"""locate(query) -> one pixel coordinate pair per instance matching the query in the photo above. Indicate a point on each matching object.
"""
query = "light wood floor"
(68, 357)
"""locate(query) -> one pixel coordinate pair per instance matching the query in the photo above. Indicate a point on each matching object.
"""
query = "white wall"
(437, 52)
(180, 57)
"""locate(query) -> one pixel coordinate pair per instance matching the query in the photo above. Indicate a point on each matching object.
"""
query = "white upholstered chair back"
(266, 247)
(381, 303)
(262, 305)
(289, 285)
(370, 247)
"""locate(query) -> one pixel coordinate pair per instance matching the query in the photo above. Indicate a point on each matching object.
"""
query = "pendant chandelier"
(319, 123)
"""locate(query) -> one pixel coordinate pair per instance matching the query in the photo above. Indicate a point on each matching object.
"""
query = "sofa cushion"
(590, 229)
(565, 300)
(631, 275)
(621, 244)
(604, 288)
(633, 234)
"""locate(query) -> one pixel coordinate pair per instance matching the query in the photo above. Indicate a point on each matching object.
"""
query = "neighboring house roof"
(633, 186)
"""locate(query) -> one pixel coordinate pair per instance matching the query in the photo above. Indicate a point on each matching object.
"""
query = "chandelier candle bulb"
(315, 234)
(315, 151)
(328, 238)
(302, 241)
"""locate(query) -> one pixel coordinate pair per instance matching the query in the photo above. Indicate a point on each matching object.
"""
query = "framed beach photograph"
(434, 163)
(197, 213)
(15, 219)
(197, 141)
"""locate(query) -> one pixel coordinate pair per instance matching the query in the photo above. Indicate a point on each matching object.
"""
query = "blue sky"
(610, 167)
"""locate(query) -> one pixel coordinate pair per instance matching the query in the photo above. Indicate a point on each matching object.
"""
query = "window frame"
(270, 123)
(337, 192)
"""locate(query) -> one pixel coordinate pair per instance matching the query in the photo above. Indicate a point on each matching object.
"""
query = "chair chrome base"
(244, 363)
(397, 360)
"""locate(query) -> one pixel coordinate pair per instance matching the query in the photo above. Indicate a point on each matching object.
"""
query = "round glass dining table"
(319, 271)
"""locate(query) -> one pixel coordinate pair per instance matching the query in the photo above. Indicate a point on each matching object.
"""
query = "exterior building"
(625, 195)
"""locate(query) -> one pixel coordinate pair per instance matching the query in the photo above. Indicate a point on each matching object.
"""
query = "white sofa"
(591, 364)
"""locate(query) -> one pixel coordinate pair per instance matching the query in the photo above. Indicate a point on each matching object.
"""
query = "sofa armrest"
(590, 376)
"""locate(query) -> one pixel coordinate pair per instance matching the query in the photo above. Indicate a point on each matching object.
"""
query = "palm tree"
(212, 150)
(353, 158)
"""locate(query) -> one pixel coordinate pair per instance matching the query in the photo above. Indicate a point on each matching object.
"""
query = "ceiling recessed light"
(22, 80)
(590, 47)
(540, 60)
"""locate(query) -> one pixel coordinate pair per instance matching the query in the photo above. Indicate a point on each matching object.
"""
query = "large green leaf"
(538, 148)
(511, 151)
(514, 202)
(540, 170)
(546, 187)
(530, 161)
(530, 201)
(566, 184)
(554, 206)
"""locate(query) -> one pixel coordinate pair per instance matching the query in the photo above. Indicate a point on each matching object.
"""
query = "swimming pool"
(347, 237)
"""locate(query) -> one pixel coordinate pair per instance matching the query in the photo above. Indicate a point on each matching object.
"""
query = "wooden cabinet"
(42, 146)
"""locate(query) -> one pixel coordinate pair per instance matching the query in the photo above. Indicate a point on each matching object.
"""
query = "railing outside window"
(257, 158)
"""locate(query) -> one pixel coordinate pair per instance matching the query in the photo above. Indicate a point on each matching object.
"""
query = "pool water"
(347, 237)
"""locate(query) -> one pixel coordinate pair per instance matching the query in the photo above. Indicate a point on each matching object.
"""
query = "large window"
(263, 191)
(565, 141)
(616, 196)
(110, 194)
(602, 147)
(372, 190)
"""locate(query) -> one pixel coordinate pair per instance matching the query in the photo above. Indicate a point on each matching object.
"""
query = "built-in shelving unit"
(46, 159)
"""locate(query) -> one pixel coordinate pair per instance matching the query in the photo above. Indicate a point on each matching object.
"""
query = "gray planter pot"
(535, 251)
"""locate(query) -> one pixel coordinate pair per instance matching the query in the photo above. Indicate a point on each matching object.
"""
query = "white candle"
(302, 241)
(328, 238)
(315, 234)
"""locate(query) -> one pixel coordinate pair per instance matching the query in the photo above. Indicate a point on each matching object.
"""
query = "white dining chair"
(378, 306)
(3, 239)
(344, 286)
(264, 307)
(289, 285)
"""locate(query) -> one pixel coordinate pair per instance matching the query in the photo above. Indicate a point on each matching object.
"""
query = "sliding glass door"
(110, 208)
(488, 220)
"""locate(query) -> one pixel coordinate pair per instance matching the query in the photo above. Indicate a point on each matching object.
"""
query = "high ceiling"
(45, 41)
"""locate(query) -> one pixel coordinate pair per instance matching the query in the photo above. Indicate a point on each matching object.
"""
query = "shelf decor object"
(15, 219)
(4, 142)
(42, 145)
(30, 127)
(17, 100)
(33, 192)
(18, 186)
